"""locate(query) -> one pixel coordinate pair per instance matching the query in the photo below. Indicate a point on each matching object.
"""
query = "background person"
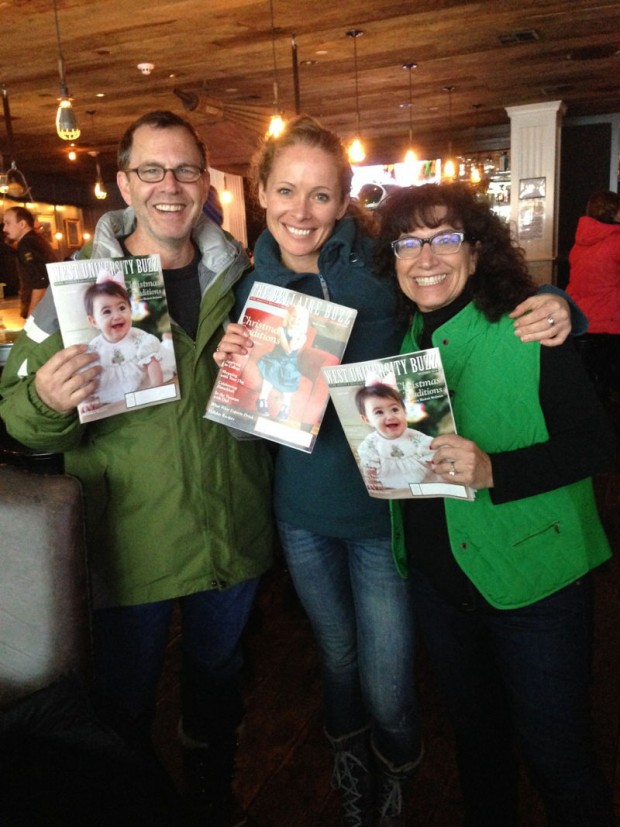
(33, 253)
(336, 539)
(595, 285)
(177, 509)
(501, 585)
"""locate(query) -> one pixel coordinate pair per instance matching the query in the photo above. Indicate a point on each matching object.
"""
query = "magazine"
(278, 391)
(391, 410)
(118, 307)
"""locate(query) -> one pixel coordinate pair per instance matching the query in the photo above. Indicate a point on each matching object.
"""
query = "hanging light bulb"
(226, 195)
(449, 167)
(99, 188)
(276, 124)
(356, 149)
(66, 124)
(4, 178)
(410, 155)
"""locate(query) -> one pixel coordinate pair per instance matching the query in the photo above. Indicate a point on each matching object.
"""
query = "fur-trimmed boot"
(391, 786)
(208, 773)
(352, 776)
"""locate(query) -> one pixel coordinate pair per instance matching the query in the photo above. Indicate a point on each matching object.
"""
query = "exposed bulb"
(449, 170)
(356, 152)
(276, 126)
(100, 191)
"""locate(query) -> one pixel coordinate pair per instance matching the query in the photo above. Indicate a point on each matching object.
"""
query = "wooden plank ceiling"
(493, 54)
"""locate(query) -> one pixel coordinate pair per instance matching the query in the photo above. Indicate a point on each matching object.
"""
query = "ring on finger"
(550, 321)
(452, 471)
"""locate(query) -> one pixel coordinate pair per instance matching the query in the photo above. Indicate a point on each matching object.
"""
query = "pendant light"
(449, 167)
(356, 148)
(66, 124)
(276, 125)
(226, 196)
(100, 190)
(410, 156)
(12, 181)
(475, 176)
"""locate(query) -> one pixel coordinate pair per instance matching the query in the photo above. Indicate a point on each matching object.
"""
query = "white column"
(535, 131)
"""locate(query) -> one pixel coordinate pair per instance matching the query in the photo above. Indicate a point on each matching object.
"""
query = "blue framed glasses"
(441, 244)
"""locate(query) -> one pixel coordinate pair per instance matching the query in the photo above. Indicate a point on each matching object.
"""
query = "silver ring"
(452, 471)
(550, 321)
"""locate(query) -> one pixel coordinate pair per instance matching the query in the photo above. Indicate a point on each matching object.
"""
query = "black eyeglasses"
(153, 173)
(441, 244)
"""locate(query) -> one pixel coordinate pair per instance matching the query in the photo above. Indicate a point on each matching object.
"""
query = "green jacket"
(174, 504)
(521, 551)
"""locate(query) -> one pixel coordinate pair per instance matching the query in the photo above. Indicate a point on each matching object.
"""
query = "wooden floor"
(283, 776)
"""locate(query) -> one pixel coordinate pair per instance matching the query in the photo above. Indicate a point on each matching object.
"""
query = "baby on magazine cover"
(131, 358)
(392, 455)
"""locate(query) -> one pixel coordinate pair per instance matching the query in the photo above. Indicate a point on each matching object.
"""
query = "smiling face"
(303, 200)
(433, 281)
(386, 416)
(167, 211)
(111, 316)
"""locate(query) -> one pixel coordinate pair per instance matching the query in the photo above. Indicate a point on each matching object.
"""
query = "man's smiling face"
(166, 211)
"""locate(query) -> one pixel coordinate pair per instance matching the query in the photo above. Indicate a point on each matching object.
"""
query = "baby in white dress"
(393, 455)
(130, 357)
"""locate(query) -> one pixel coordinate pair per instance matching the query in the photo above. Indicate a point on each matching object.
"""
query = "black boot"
(208, 772)
(391, 789)
(353, 778)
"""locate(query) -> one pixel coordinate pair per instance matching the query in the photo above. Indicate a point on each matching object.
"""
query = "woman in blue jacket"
(335, 537)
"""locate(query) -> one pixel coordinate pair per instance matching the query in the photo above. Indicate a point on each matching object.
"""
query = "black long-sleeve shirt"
(581, 442)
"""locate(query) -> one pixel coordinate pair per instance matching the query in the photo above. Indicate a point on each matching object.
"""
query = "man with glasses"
(177, 509)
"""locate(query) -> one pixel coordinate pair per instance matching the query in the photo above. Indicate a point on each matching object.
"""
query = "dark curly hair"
(501, 279)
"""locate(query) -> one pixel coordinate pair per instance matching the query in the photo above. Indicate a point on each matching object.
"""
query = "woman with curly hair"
(502, 586)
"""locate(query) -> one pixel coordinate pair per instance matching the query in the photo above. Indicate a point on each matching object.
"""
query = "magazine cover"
(391, 410)
(278, 391)
(117, 306)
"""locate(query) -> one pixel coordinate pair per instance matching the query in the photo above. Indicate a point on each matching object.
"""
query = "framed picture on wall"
(532, 188)
(72, 232)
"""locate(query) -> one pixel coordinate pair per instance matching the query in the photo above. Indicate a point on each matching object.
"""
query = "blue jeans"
(130, 647)
(519, 674)
(361, 613)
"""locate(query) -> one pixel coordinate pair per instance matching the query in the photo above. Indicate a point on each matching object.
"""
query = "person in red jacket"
(594, 284)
